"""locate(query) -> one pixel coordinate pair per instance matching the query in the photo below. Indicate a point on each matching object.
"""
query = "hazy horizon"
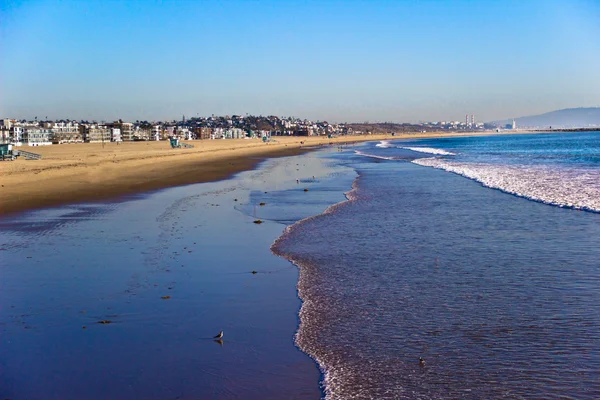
(337, 61)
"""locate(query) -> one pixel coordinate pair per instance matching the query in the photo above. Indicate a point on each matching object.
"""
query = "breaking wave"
(386, 144)
(563, 187)
(360, 153)
(430, 150)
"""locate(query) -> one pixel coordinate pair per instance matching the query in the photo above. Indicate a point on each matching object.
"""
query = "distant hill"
(567, 118)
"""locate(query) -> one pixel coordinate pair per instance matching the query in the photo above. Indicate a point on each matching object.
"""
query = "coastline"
(73, 173)
(213, 289)
(161, 270)
(427, 257)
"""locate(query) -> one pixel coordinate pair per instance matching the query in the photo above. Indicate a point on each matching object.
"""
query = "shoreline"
(168, 281)
(74, 173)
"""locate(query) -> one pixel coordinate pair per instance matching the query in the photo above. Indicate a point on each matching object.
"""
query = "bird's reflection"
(220, 341)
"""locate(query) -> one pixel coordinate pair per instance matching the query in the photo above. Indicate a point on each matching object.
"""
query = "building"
(171, 131)
(60, 137)
(64, 132)
(301, 132)
(126, 131)
(126, 128)
(115, 135)
(155, 134)
(15, 135)
(514, 125)
(93, 133)
(235, 133)
(141, 134)
(218, 133)
(36, 137)
(203, 133)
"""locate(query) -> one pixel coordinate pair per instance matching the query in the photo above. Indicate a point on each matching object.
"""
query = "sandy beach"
(72, 173)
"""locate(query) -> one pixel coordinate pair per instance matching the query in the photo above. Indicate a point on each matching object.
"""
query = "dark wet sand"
(65, 269)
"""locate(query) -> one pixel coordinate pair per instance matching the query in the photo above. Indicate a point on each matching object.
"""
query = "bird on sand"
(421, 362)
(219, 336)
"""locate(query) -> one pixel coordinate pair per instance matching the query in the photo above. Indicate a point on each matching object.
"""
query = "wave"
(360, 153)
(308, 313)
(384, 144)
(563, 187)
(429, 150)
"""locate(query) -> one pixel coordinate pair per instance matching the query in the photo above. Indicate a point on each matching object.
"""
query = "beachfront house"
(155, 133)
(94, 133)
(126, 130)
(203, 133)
(115, 135)
(36, 137)
(4, 135)
(141, 134)
(16, 135)
(219, 133)
(184, 133)
(64, 132)
(235, 133)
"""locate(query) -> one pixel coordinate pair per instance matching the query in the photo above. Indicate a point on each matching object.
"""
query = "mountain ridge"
(580, 117)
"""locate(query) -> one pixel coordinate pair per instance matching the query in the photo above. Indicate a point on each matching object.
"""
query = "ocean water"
(480, 255)
(559, 169)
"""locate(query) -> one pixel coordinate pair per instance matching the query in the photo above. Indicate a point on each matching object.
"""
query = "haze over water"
(498, 293)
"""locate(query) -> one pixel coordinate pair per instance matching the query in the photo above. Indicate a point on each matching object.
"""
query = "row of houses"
(34, 133)
(47, 133)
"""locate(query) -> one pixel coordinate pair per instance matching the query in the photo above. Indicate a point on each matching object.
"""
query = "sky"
(340, 61)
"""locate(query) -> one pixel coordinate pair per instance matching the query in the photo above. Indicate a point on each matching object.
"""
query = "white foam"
(384, 144)
(360, 153)
(430, 150)
(574, 188)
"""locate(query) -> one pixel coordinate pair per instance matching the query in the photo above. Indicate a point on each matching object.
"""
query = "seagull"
(219, 336)
(421, 362)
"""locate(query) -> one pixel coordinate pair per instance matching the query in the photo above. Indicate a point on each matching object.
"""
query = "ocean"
(481, 255)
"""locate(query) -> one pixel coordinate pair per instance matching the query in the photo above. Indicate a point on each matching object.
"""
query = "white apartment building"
(115, 135)
(64, 132)
(155, 133)
(36, 137)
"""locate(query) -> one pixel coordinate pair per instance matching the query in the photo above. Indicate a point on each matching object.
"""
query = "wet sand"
(168, 270)
(72, 173)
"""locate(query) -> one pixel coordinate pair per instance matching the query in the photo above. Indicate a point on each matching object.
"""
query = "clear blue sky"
(329, 60)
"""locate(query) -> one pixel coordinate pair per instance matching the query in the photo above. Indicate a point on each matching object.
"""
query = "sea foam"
(573, 188)
(384, 144)
(360, 153)
(430, 150)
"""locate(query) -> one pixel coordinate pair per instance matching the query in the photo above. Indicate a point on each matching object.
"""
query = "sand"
(71, 173)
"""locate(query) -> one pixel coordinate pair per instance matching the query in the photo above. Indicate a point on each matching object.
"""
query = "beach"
(71, 173)
(122, 299)
(330, 272)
